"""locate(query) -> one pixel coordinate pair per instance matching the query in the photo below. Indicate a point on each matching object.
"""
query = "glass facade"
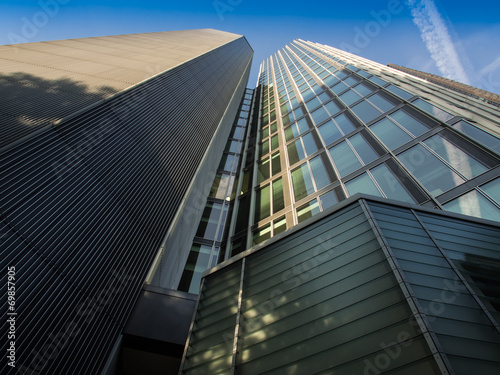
(331, 124)
(371, 288)
(206, 248)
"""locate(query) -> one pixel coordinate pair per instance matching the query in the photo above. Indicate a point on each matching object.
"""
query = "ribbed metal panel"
(47, 81)
(91, 199)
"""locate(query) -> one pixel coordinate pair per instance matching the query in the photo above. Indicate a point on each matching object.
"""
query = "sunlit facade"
(333, 124)
(348, 251)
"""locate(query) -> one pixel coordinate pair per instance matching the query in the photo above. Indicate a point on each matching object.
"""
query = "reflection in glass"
(462, 162)
(295, 152)
(329, 132)
(390, 185)
(209, 221)
(474, 204)
(345, 159)
(362, 184)
(198, 261)
(365, 111)
(435, 176)
(263, 203)
(390, 134)
(409, 123)
(279, 225)
(478, 135)
(492, 188)
(328, 199)
(302, 182)
(278, 199)
(363, 148)
(319, 172)
(433, 110)
(307, 210)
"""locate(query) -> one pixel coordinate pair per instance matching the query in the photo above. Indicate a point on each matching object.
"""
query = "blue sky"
(449, 38)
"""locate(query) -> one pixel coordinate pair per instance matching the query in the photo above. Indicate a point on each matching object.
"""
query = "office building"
(336, 281)
(330, 200)
(103, 141)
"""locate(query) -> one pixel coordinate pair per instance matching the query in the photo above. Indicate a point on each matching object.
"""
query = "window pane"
(328, 199)
(364, 150)
(461, 161)
(209, 221)
(197, 262)
(319, 115)
(492, 188)
(332, 108)
(377, 80)
(226, 162)
(345, 159)
(291, 132)
(311, 104)
(279, 225)
(276, 163)
(389, 184)
(302, 183)
(261, 234)
(309, 144)
(390, 134)
(435, 176)
(365, 111)
(399, 92)
(363, 89)
(409, 123)
(362, 184)
(474, 204)
(307, 210)
(263, 203)
(345, 125)
(330, 80)
(351, 81)
(350, 97)
(329, 132)
(278, 200)
(432, 110)
(295, 152)
(479, 135)
(319, 172)
(302, 125)
(381, 102)
(341, 86)
(263, 171)
(274, 142)
(222, 186)
(264, 149)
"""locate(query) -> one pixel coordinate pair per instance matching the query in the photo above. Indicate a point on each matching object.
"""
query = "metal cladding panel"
(320, 299)
(45, 82)
(85, 205)
(452, 267)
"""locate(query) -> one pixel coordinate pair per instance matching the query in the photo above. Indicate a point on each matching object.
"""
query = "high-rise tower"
(356, 261)
(103, 141)
(316, 224)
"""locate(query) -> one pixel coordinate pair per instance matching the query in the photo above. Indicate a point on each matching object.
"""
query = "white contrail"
(437, 39)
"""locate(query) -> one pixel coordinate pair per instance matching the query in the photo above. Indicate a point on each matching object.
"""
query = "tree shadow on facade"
(29, 102)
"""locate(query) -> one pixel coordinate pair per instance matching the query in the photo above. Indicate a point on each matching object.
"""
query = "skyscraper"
(103, 141)
(132, 164)
(337, 281)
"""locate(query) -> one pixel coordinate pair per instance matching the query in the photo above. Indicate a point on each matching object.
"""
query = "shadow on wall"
(29, 102)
